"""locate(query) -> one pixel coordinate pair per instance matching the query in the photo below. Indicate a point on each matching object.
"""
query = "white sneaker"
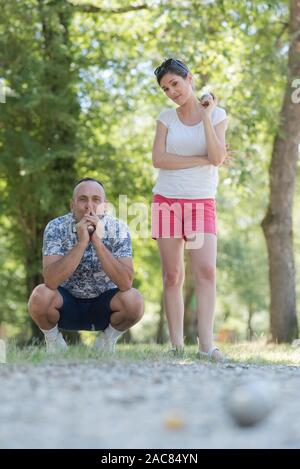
(56, 344)
(105, 344)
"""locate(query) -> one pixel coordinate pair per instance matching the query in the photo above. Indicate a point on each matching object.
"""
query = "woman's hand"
(208, 102)
(229, 159)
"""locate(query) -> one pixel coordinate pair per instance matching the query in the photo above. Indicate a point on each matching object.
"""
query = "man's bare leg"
(43, 307)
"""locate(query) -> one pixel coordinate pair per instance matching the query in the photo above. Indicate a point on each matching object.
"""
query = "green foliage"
(82, 100)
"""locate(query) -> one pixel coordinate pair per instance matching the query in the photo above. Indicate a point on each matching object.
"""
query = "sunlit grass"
(256, 353)
(260, 353)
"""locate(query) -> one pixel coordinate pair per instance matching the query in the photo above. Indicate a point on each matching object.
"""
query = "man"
(88, 273)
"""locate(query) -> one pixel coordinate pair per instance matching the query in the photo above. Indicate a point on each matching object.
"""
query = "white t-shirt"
(199, 182)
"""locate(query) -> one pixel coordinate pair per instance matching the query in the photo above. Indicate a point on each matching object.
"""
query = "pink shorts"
(181, 218)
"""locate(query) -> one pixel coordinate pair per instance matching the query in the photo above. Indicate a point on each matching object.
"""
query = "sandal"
(176, 352)
(209, 355)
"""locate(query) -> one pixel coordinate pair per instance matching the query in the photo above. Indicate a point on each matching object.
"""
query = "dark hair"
(171, 66)
(86, 180)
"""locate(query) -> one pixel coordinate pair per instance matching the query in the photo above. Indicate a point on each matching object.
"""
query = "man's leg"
(127, 309)
(43, 307)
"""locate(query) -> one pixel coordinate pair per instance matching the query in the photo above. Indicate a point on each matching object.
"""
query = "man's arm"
(56, 269)
(164, 160)
(120, 271)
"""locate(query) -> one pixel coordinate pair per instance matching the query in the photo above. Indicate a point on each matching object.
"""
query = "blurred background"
(78, 98)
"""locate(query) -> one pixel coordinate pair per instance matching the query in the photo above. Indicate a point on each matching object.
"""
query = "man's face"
(88, 198)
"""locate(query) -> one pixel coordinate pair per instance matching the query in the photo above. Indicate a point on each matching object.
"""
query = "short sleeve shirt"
(89, 279)
(198, 182)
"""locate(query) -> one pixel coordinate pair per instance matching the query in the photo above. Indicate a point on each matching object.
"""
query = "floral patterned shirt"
(89, 279)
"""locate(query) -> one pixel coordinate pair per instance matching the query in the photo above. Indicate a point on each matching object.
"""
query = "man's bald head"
(88, 198)
(86, 180)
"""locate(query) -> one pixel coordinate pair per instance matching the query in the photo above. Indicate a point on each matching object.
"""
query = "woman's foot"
(176, 351)
(213, 354)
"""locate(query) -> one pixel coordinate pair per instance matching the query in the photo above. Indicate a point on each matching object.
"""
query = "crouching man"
(88, 273)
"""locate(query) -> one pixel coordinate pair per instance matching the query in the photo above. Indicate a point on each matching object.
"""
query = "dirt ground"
(143, 405)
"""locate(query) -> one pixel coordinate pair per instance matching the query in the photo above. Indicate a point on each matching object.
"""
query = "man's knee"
(40, 298)
(133, 304)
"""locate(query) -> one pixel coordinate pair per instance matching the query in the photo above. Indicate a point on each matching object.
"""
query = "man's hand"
(98, 227)
(82, 231)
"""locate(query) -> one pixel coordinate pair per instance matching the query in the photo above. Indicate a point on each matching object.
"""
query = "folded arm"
(119, 270)
(162, 159)
(57, 269)
(215, 141)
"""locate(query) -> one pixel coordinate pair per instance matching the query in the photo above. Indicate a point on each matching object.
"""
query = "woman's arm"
(215, 141)
(164, 160)
(214, 136)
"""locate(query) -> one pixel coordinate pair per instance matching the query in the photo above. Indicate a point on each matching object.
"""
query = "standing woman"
(189, 146)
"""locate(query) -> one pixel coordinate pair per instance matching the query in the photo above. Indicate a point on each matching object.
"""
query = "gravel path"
(143, 405)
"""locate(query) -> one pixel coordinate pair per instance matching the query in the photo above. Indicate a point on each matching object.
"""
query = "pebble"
(148, 405)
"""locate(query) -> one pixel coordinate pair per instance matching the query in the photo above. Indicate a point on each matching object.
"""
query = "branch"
(94, 9)
(281, 32)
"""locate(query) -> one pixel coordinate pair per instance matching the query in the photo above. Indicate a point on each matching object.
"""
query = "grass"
(260, 353)
(255, 353)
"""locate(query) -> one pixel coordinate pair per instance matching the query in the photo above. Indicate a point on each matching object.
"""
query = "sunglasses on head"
(166, 64)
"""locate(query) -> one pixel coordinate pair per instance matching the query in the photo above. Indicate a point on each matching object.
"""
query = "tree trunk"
(250, 332)
(161, 336)
(277, 224)
(32, 280)
(57, 137)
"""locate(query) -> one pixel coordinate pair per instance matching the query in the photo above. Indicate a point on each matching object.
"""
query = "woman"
(189, 146)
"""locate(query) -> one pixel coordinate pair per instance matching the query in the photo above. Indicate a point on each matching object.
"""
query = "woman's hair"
(171, 66)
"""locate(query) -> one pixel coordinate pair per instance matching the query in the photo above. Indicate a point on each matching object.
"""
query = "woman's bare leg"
(172, 258)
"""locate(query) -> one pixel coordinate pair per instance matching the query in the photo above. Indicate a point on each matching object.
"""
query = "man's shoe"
(55, 344)
(105, 344)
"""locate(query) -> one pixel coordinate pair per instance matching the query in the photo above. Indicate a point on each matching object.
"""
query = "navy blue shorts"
(85, 314)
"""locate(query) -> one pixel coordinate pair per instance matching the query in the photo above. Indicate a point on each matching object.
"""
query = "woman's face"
(177, 88)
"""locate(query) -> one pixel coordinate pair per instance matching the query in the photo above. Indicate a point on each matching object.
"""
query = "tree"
(278, 221)
(82, 100)
(39, 127)
(39, 123)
